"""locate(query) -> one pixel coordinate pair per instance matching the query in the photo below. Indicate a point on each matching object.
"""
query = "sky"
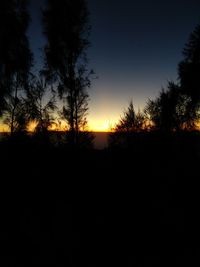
(135, 50)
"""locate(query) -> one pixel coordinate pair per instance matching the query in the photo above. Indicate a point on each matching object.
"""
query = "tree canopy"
(66, 28)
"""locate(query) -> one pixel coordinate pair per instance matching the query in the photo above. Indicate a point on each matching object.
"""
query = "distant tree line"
(27, 96)
(177, 108)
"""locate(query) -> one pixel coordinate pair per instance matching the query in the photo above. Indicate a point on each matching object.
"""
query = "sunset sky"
(136, 46)
(135, 49)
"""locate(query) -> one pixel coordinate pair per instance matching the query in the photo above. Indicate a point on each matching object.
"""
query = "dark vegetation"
(64, 203)
(136, 206)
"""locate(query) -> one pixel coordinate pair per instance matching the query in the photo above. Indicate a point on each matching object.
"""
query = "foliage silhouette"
(16, 115)
(169, 111)
(40, 107)
(66, 28)
(15, 58)
(189, 67)
(130, 123)
(188, 70)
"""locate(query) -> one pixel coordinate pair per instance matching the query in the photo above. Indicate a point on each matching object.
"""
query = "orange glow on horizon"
(4, 128)
(31, 126)
(100, 125)
(94, 125)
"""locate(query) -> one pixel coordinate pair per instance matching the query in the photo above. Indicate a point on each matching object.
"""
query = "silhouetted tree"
(6, 25)
(127, 122)
(17, 119)
(66, 28)
(161, 110)
(169, 111)
(131, 122)
(15, 58)
(189, 68)
(80, 108)
(41, 104)
(189, 71)
(186, 117)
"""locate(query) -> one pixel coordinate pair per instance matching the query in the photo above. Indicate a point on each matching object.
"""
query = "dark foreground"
(136, 207)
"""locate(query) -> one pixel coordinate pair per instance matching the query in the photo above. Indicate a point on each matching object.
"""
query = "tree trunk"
(14, 108)
(71, 99)
(76, 122)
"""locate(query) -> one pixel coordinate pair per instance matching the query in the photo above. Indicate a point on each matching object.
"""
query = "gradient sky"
(135, 49)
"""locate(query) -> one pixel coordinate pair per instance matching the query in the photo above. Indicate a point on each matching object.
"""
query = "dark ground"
(126, 207)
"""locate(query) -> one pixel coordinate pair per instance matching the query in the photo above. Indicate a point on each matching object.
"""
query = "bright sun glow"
(93, 125)
(3, 128)
(31, 126)
(98, 125)
(101, 125)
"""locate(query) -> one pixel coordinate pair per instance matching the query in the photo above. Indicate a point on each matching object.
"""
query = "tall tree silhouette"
(189, 71)
(6, 26)
(66, 28)
(15, 56)
(189, 68)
